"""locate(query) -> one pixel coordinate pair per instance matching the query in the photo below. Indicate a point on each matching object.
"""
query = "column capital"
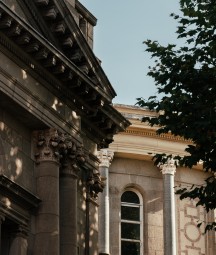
(47, 145)
(22, 231)
(105, 157)
(169, 167)
(72, 155)
(53, 145)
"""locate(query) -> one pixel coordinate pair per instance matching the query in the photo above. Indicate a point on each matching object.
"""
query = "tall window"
(131, 223)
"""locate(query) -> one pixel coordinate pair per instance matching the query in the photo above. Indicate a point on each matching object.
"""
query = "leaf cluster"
(185, 78)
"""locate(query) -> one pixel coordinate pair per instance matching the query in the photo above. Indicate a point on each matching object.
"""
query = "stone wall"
(15, 139)
(144, 177)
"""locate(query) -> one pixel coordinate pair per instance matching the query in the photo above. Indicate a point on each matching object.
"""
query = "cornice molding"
(151, 133)
(86, 49)
(37, 20)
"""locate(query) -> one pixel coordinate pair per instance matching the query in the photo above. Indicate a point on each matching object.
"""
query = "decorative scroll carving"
(169, 167)
(105, 156)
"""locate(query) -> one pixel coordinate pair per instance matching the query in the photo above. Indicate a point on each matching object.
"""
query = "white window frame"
(140, 206)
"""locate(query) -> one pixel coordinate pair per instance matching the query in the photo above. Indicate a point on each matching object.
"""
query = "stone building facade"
(139, 213)
(57, 179)
(55, 113)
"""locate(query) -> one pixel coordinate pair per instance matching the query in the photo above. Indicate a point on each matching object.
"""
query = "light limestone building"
(55, 113)
(145, 217)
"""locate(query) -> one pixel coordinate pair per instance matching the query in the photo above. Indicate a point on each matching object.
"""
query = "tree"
(185, 78)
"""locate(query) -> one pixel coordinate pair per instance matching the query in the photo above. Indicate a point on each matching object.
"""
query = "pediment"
(21, 9)
(60, 27)
(90, 98)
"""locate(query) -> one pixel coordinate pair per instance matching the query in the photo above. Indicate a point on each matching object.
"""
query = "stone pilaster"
(19, 244)
(105, 156)
(168, 170)
(48, 144)
(73, 156)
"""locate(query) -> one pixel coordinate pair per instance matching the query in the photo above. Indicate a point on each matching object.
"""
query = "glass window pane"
(130, 197)
(130, 231)
(130, 248)
(130, 213)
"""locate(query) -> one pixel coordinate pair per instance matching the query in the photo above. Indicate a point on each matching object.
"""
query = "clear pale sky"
(121, 28)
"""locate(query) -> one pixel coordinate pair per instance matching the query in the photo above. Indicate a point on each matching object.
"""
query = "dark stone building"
(55, 113)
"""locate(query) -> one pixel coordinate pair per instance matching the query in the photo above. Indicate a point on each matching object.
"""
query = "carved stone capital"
(22, 231)
(48, 142)
(72, 156)
(55, 146)
(169, 167)
(105, 157)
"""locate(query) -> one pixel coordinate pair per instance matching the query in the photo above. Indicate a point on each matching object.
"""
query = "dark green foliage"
(186, 83)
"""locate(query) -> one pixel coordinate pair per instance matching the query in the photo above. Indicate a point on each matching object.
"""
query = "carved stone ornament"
(95, 184)
(56, 146)
(48, 144)
(169, 167)
(72, 156)
(105, 157)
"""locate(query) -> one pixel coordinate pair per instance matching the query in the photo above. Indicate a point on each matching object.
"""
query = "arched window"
(131, 223)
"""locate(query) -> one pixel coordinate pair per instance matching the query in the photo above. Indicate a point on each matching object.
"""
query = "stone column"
(168, 170)
(19, 244)
(105, 156)
(68, 197)
(47, 186)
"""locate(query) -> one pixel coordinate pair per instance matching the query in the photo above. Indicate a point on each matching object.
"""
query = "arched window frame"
(141, 220)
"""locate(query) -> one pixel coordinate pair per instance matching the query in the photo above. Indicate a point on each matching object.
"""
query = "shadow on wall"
(43, 103)
(87, 231)
(11, 163)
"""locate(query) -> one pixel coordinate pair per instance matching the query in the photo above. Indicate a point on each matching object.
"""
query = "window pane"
(130, 248)
(130, 197)
(130, 231)
(130, 213)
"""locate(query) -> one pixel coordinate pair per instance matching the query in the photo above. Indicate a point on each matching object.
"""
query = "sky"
(122, 26)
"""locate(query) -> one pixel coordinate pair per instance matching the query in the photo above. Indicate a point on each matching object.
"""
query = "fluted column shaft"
(168, 171)
(105, 156)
